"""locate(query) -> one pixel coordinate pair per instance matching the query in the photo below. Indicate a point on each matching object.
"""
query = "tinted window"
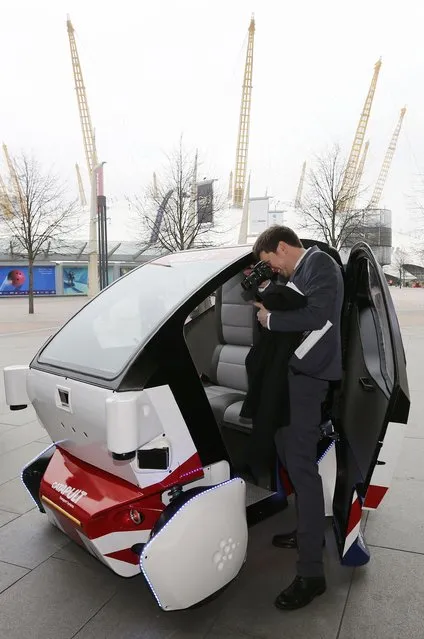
(106, 333)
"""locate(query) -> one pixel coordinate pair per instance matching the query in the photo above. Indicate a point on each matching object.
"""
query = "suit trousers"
(297, 448)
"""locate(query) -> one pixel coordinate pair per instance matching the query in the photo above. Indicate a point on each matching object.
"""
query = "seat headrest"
(235, 316)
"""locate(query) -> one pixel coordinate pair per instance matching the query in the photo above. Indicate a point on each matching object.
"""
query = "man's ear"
(281, 248)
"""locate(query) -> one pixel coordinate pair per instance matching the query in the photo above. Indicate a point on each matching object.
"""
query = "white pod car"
(141, 394)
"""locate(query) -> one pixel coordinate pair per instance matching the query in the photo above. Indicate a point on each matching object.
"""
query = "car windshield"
(106, 333)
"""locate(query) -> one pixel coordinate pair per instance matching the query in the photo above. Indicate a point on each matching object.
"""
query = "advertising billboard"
(15, 281)
(205, 202)
(75, 280)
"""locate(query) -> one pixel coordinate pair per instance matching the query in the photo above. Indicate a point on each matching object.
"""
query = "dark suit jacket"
(320, 279)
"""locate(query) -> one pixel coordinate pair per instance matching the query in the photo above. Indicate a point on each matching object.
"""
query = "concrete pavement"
(52, 589)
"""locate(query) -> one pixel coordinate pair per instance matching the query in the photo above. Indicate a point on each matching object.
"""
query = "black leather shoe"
(287, 540)
(300, 593)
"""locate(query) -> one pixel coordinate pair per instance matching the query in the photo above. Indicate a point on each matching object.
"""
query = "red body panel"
(97, 503)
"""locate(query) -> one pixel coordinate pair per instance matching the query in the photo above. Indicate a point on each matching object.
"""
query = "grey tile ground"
(415, 427)
(133, 612)
(48, 602)
(19, 436)
(29, 540)
(70, 594)
(267, 572)
(386, 598)
(9, 574)
(399, 522)
(227, 633)
(11, 464)
(78, 555)
(6, 517)
(17, 417)
(45, 440)
(15, 498)
(410, 464)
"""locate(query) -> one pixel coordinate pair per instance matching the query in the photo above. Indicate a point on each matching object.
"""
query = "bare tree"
(177, 212)
(38, 217)
(399, 259)
(326, 210)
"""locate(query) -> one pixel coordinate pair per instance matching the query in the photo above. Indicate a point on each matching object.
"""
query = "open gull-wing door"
(374, 401)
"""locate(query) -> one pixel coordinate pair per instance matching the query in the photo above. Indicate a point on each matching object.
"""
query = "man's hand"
(262, 314)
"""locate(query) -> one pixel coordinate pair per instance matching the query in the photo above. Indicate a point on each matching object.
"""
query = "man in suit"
(315, 363)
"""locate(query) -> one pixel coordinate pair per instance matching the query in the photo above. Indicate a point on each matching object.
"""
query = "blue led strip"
(326, 451)
(148, 544)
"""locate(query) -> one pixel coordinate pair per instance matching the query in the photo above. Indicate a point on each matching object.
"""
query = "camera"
(260, 272)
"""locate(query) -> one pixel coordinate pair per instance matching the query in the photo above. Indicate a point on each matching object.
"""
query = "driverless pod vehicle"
(141, 394)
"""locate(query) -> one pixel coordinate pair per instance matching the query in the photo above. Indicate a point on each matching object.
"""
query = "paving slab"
(228, 633)
(268, 570)
(133, 612)
(15, 498)
(53, 588)
(415, 427)
(6, 517)
(29, 540)
(9, 575)
(399, 522)
(17, 417)
(11, 463)
(20, 436)
(386, 598)
(48, 603)
(410, 464)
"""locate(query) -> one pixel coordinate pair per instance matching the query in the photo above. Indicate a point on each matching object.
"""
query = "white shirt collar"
(301, 258)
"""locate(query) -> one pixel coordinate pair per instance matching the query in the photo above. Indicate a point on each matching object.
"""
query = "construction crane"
(14, 177)
(95, 170)
(244, 124)
(359, 173)
(352, 163)
(20, 198)
(6, 206)
(298, 200)
(378, 190)
(230, 187)
(83, 199)
(84, 112)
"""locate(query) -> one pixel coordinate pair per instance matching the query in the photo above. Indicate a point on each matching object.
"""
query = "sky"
(157, 70)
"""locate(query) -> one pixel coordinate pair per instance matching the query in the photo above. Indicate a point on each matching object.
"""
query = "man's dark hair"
(271, 237)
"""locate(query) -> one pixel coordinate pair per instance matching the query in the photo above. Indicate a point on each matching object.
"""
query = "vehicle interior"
(219, 336)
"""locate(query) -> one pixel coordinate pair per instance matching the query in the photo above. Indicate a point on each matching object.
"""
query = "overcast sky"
(154, 70)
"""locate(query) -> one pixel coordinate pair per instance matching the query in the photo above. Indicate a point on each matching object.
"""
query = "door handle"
(367, 384)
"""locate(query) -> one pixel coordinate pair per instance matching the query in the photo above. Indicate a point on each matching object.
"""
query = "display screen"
(15, 280)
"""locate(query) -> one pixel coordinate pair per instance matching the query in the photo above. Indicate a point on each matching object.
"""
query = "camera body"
(260, 272)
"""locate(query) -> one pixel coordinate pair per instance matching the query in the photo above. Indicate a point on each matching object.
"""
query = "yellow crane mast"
(379, 186)
(17, 185)
(6, 206)
(244, 124)
(84, 112)
(230, 187)
(298, 200)
(83, 198)
(155, 187)
(352, 163)
(359, 174)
